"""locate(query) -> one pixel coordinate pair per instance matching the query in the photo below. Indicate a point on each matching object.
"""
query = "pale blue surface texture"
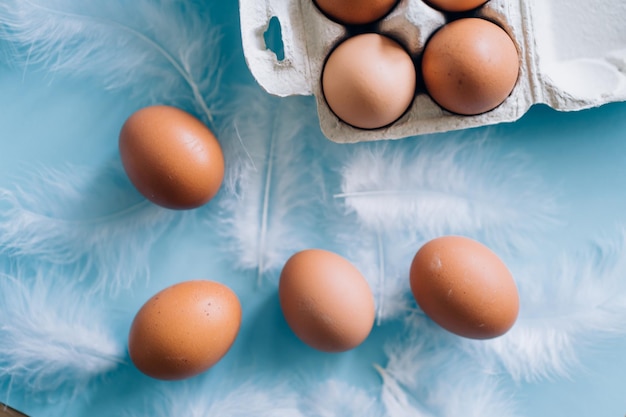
(51, 121)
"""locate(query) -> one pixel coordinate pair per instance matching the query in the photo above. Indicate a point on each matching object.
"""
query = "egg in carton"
(571, 56)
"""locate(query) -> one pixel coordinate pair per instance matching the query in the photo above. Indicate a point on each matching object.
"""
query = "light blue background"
(51, 120)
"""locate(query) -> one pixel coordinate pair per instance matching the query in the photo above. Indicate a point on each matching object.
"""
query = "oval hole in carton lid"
(274, 38)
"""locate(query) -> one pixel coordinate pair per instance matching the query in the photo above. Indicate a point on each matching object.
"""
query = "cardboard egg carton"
(572, 57)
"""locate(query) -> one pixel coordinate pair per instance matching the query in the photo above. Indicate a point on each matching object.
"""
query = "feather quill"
(271, 188)
(51, 337)
(161, 51)
(383, 258)
(565, 306)
(89, 222)
(248, 399)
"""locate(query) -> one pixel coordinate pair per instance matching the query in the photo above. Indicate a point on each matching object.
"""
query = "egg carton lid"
(573, 57)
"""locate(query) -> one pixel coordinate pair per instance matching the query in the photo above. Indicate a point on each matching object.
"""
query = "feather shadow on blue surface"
(566, 307)
(273, 181)
(160, 51)
(52, 338)
(400, 195)
(89, 223)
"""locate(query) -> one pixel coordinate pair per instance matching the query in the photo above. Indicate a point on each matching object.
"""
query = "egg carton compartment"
(572, 56)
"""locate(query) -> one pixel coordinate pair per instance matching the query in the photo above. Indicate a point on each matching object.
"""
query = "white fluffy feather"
(564, 307)
(427, 376)
(471, 393)
(335, 398)
(195, 400)
(405, 193)
(51, 337)
(270, 189)
(397, 400)
(406, 363)
(434, 186)
(162, 51)
(88, 221)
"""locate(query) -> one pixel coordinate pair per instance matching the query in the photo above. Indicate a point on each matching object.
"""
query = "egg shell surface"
(369, 81)
(456, 5)
(171, 157)
(470, 66)
(184, 329)
(356, 12)
(464, 287)
(326, 301)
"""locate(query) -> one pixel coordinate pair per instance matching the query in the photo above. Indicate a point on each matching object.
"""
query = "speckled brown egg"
(369, 81)
(456, 5)
(326, 301)
(171, 157)
(184, 330)
(356, 12)
(470, 66)
(464, 287)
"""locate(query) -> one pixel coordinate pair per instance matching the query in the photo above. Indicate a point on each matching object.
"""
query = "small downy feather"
(397, 400)
(427, 376)
(161, 51)
(334, 398)
(469, 392)
(51, 337)
(565, 307)
(447, 185)
(400, 378)
(89, 222)
(270, 187)
(192, 399)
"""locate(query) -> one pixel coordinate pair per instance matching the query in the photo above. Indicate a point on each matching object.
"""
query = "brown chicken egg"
(470, 66)
(456, 5)
(464, 287)
(326, 301)
(356, 12)
(171, 157)
(184, 330)
(369, 81)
